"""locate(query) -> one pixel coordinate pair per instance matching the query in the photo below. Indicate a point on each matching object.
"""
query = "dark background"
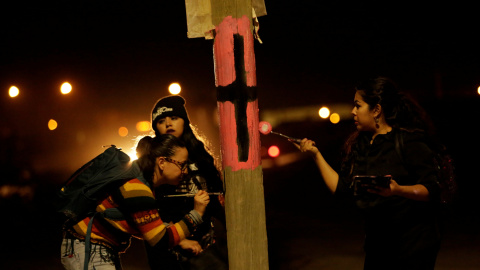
(120, 57)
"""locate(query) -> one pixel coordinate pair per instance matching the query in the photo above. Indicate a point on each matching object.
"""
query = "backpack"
(80, 194)
(89, 185)
(444, 168)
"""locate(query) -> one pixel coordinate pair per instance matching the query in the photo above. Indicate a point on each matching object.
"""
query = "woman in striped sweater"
(163, 161)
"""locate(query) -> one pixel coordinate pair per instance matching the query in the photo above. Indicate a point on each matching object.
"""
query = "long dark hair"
(148, 149)
(200, 154)
(399, 109)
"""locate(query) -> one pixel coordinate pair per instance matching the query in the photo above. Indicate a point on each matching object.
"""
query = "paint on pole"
(237, 93)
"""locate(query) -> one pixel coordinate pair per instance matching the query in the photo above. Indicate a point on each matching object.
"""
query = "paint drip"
(264, 127)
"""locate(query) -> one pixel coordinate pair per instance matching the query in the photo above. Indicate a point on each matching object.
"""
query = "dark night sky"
(120, 57)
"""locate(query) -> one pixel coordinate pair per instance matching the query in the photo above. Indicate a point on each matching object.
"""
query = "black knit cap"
(169, 106)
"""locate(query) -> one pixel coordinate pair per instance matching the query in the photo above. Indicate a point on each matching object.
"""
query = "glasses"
(181, 165)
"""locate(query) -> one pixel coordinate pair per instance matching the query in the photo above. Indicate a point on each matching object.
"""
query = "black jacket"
(395, 225)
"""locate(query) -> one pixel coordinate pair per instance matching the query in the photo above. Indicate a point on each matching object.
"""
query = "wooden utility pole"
(235, 79)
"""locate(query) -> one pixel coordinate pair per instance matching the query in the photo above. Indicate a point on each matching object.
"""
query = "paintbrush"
(265, 128)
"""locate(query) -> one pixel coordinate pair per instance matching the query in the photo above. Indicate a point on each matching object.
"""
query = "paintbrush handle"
(288, 137)
(191, 194)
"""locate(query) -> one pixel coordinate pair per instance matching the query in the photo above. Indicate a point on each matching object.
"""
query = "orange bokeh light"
(273, 151)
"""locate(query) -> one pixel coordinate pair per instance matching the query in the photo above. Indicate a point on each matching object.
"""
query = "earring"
(376, 122)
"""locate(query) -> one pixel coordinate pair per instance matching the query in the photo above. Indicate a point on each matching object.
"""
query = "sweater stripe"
(137, 203)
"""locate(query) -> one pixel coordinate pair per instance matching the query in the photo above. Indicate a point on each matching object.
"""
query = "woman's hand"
(387, 191)
(307, 146)
(416, 192)
(200, 201)
(329, 175)
(221, 199)
(191, 245)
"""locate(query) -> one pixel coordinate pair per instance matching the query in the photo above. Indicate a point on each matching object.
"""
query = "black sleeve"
(420, 160)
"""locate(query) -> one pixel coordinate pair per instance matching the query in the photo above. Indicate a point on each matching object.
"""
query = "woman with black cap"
(169, 116)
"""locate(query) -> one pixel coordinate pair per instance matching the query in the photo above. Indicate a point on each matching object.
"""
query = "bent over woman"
(162, 162)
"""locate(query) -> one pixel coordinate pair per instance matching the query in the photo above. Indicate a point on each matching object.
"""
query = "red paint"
(223, 51)
(229, 136)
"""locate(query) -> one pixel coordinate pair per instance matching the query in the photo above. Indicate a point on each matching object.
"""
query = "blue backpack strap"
(88, 244)
(111, 213)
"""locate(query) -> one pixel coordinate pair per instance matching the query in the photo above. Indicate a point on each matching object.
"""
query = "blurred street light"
(132, 154)
(335, 118)
(324, 112)
(174, 88)
(52, 124)
(123, 131)
(13, 91)
(65, 88)
(273, 151)
(143, 126)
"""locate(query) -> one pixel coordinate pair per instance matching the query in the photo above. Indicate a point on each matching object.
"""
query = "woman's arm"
(329, 175)
(416, 192)
(138, 199)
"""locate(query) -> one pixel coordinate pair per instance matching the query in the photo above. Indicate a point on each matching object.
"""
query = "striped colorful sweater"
(137, 203)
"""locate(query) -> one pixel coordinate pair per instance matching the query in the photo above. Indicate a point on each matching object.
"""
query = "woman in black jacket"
(402, 225)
